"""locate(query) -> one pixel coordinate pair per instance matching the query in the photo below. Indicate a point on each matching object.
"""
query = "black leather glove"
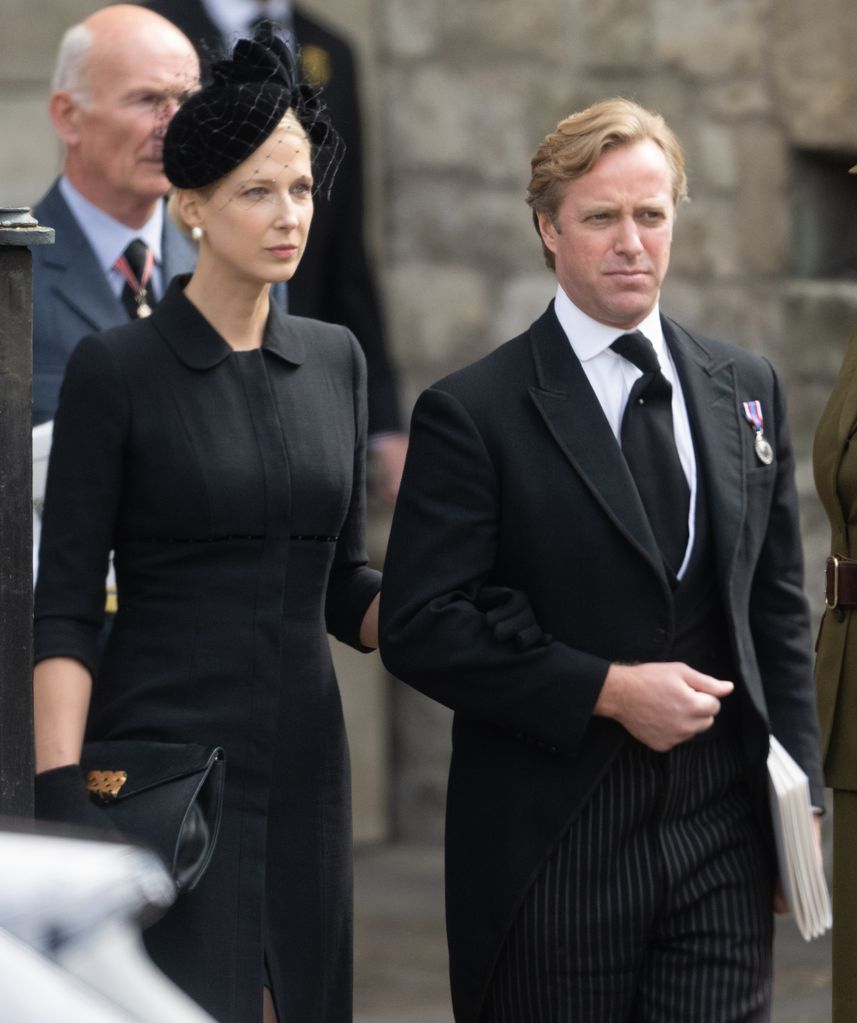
(61, 796)
(510, 615)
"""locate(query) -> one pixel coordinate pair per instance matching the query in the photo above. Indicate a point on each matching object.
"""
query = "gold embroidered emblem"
(315, 63)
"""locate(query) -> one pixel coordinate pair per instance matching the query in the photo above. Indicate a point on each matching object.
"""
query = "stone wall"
(458, 95)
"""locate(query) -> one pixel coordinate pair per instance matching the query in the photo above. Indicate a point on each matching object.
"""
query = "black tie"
(648, 444)
(137, 295)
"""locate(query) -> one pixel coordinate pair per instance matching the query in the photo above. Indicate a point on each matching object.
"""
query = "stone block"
(468, 119)
(820, 317)
(474, 30)
(617, 33)
(738, 98)
(439, 218)
(438, 314)
(764, 214)
(706, 244)
(812, 62)
(683, 300)
(710, 40)
(364, 685)
(522, 299)
(422, 746)
(30, 36)
(712, 152)
(28, 166)
(747, 313)
(412, 30)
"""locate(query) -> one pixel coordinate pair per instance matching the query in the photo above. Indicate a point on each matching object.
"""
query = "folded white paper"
(801, 870)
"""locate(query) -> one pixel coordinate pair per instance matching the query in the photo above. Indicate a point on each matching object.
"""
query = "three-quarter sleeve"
(82, 495)
(353, 584)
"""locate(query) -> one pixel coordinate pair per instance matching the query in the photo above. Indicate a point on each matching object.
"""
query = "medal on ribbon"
(139, 285)
(753, 412)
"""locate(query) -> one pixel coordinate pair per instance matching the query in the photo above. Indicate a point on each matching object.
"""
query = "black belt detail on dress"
(190, 539)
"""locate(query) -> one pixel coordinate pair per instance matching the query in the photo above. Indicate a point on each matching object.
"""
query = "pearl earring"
(196, 232)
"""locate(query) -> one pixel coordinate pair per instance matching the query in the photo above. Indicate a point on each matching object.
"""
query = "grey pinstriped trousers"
(656, 906)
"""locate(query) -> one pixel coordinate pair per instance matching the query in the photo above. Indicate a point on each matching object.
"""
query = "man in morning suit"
(119, 78)
(628, 484)
(335, 281)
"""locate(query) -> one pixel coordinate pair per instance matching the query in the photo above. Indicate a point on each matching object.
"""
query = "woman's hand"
(510, 615)
(369, 625)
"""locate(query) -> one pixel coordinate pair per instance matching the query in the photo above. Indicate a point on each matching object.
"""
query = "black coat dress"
(230, 486)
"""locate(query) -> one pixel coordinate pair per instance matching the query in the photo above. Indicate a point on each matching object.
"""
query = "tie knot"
(637, 348)
(136, 255)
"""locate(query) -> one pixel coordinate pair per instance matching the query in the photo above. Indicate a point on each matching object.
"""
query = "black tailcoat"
(514, 478)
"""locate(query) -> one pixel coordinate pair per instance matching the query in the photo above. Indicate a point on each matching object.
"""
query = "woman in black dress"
(217, 447)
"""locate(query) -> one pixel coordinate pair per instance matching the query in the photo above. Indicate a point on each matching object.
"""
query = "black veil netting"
(243, 99)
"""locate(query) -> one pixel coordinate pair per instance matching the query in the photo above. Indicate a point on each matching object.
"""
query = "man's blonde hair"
(577, 143)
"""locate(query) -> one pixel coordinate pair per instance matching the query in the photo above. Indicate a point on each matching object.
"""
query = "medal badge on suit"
(753, 412)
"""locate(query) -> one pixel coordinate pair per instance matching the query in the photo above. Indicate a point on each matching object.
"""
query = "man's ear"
(548, 231)
(64, 111)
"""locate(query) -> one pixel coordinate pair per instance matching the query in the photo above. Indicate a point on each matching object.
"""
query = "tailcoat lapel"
(713, 408)
(573, 414)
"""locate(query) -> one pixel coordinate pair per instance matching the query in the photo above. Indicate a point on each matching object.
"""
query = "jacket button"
(659, 636)
(839, 614)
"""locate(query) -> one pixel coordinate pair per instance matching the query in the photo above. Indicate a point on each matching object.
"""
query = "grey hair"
(70, 72)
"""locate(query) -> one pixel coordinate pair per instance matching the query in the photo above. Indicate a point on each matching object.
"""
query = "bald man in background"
(119, 78)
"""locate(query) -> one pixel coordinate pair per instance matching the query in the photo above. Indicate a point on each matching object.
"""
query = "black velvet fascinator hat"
(240, 105)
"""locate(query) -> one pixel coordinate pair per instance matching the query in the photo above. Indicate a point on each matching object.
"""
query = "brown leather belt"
(841, 582)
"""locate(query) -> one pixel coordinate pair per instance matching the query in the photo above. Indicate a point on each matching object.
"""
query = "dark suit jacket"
(334, 282)
(514, 478)
(72, 297)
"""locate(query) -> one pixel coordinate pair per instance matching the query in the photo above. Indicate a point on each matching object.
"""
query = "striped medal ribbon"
(753, 412)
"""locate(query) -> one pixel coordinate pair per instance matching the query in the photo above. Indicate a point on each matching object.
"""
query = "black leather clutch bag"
(168, 796)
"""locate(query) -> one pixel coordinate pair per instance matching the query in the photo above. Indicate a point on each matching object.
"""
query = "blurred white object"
(70, 944)
(43, 435)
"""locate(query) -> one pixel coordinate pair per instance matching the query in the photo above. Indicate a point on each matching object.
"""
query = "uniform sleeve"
(81, 499)
(352, 584)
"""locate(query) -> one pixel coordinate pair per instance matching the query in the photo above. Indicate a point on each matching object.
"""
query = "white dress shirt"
(234, 17)
(612, 378)
(109, 238)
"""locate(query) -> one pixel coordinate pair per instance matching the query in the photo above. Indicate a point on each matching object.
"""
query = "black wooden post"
(18, 231)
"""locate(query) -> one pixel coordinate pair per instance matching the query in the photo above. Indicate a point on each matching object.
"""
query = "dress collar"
(198, 344)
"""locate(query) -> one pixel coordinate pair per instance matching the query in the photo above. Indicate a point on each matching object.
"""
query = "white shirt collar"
(589, 338)
(233, 17)
(108, 237)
